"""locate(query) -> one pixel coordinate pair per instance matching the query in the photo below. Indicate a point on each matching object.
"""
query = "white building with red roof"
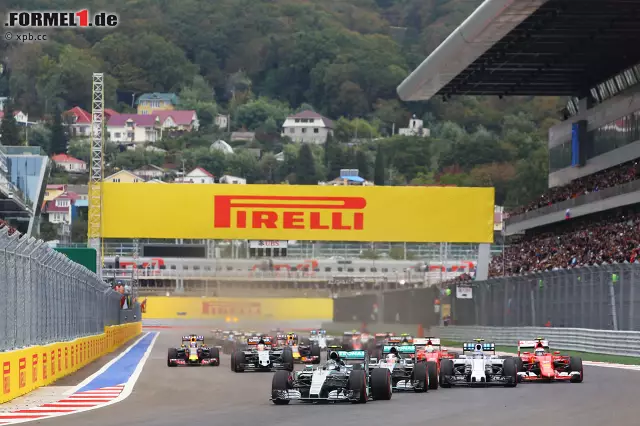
(69, 163)
(178, 120)
(197, 175)
(19, 116)
(307, 127)
(59, 209)
(79, 121)
(133, 128)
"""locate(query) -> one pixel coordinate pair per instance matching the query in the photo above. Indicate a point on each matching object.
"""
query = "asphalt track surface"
(166, 396)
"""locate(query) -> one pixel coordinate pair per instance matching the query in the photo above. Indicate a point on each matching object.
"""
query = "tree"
(306, 167)
(362, 162)
(79, 229)
(9, 127)
(379, 171)
(59, 140)
(48, 231)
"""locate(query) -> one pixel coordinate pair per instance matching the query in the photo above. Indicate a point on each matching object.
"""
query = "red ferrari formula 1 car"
(430, 349)
(536, 362)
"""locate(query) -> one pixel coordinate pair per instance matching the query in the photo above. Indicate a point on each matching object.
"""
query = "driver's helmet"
(261, 346)
(193, 344)
(539, 352)
(391, 359)
(332, 364)
(429, 348)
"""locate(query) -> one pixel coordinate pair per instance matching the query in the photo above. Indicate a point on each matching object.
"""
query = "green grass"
(586, 356)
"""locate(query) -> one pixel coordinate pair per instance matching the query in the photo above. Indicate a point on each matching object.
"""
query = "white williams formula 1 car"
(478, 366)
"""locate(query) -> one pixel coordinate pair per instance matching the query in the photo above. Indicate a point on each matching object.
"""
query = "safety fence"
(605, 297)
(626, 343)
(47, 298)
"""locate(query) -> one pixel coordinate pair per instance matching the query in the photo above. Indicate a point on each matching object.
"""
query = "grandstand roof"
(531, 47)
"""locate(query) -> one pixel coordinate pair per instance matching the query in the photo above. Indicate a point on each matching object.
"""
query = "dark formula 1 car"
(261, 356)
(537, 363)
(406, 374)
(478, 366)
(194, 352)
(345, 377)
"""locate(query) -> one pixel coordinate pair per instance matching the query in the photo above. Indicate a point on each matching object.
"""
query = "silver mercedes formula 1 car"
(345, 377)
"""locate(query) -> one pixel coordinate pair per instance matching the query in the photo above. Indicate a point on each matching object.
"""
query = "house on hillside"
(222, 121)
(79, 121)
(416, 128)
(197, 175)
(53, 191)
(59, 209)
(69, 163)
(150, 102)
(307, 127)
(133, 128)
(149, 172)
(20, 117)
(124, 176)
(243, 136)
(184, 121)
(233, 180)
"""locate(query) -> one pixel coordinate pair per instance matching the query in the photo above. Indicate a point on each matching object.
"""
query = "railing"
(592, 197)
(610, 342)
(45, 297)
(322, 250)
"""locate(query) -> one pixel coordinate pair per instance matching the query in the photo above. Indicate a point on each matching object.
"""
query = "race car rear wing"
(479, 346)
(256, 340)
(353, 355)
(426, 341)
(189, 337)
(533, 345)
(406, 349)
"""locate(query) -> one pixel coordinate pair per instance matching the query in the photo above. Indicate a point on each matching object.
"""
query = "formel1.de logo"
(60, 19)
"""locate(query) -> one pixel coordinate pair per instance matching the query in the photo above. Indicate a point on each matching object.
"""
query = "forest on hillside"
(259, 60)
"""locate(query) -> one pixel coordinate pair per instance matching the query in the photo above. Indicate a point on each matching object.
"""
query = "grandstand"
(579, 49)
(23, 175)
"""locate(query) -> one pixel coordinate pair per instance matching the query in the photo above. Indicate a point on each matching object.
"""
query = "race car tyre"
(233, 363)
(381, 384)
(215, 355)
(519, 364)
(239, 360)
(315, 351)
(358, 384)
(172, 354)
(421, 377)
(432, 371)
(446, 370)
(575, 364)
(510, 369)
(280, 382)
(287, 359)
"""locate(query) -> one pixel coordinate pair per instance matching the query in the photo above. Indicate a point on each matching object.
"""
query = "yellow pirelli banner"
(285, 212)
(24, 370)
(159, 307)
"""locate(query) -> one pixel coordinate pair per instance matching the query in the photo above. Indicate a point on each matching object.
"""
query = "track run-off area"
(164, 396)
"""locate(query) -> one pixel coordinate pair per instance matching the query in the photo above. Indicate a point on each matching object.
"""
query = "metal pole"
(612, 300)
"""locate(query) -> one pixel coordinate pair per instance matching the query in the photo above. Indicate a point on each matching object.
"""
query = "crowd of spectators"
(615, 239)
(608, 178)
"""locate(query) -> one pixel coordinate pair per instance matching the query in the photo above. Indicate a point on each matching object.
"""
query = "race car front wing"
(295, 395)
(462, 381)
(529, 376)
(206, 361)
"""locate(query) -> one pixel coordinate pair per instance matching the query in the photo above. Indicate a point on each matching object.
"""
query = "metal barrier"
(45, 297)
(609, 342)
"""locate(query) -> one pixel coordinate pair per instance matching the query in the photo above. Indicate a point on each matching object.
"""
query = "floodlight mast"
(97, 169)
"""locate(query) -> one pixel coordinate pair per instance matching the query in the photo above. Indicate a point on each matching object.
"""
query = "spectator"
(589, 243)
(608, 178)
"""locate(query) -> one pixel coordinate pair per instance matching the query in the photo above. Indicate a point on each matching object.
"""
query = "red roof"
(181, 118)
(311, 114)
(64, 158)
(56, 187)
(82, 116)
(141, 120)
(14, 113)
(203, 171)
(108, 112)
